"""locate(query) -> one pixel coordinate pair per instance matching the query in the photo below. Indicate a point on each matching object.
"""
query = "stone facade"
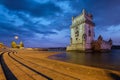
(82, 33)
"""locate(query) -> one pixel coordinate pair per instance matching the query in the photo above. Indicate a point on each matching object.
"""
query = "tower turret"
(84, 11)
(110, 41)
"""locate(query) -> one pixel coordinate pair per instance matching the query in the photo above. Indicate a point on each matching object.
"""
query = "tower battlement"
(84, 17)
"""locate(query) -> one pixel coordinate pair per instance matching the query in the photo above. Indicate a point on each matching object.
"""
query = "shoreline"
(74, 70)
(95, 66)
(48, 57)
(97, 70)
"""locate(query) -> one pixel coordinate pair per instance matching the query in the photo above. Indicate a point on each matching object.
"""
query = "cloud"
(31, 7)
(51, 40)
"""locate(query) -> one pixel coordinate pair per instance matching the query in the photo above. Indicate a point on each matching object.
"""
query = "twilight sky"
(46, 23)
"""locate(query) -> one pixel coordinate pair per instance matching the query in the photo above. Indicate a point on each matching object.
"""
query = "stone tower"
(82, 32)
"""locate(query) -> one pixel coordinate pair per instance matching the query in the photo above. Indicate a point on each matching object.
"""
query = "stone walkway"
(34, 65)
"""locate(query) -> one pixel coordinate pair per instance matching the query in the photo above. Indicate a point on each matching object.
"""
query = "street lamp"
(16, 37)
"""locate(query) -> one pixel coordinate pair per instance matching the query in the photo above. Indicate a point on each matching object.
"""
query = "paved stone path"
(14, 67)
(32, 65)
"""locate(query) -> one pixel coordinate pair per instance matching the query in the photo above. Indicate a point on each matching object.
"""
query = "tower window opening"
(89, 33)
(84, 36)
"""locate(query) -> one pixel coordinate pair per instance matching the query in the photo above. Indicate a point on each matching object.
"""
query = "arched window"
(89, 32)
(71, 40)
(84, 36)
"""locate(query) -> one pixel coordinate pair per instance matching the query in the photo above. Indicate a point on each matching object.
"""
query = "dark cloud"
(16, 4)
(39, 30)
(106, 12)
(11, 30)
(33, 8)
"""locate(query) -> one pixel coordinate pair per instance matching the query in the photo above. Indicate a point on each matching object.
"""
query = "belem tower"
(82, 35)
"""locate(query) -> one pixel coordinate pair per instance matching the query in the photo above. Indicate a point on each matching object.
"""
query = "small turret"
(83, 11)
(100, 38)
(72, 18)
(110, 41)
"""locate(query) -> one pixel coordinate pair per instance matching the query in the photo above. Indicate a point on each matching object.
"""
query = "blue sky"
(46, 23)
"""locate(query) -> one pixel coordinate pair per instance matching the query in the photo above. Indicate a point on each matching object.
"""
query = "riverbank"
(77, 71)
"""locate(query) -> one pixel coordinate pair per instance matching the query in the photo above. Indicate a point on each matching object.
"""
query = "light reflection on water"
(104, 60)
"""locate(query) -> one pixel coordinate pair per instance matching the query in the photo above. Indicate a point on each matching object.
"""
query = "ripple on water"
(103, 60)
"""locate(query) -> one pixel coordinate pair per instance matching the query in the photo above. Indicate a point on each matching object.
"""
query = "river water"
(102, 60)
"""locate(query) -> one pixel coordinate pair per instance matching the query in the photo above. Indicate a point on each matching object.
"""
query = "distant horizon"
(59, 47)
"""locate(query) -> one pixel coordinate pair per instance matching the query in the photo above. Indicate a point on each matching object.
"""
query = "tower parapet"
(84, 17)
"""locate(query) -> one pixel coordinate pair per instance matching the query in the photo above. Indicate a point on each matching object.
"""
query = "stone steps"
(78, 71)
(20, 71)
(2, 76)
(45, 70)
(33, 65)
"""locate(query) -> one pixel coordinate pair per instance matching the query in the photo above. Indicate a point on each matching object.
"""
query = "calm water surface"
(103, 60)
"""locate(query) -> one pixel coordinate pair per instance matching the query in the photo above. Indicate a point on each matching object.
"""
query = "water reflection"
(104, 60)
